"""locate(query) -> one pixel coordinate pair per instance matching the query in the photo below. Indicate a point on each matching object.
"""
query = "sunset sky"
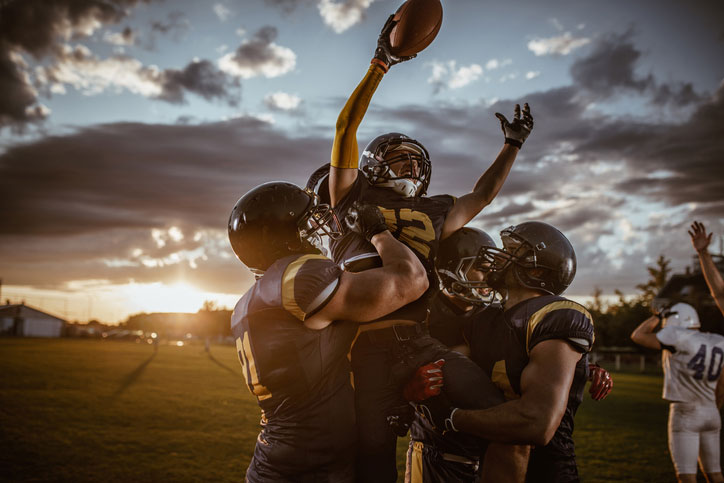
(128, 130)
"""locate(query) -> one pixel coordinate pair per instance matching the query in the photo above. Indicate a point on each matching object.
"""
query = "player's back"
(300, 376)
(692, 362)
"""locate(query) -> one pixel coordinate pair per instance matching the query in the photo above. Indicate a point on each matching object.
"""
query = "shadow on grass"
(132, 376)
(222, 365)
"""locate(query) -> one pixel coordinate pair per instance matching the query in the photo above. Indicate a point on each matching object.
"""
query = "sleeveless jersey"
(300, 376)
(501, 341)
(692, 362)
(416, 222)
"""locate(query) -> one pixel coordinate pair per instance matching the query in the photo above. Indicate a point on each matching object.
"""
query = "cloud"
(559, 45)
(532, 74)
(342, 15)
(611, 69)
(125, 37)
(222, 11)
(78, 67)
(281, 101)
(259, 56)
(448, 75)
(493, 64)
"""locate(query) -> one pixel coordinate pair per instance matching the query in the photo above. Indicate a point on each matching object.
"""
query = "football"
(419, 22)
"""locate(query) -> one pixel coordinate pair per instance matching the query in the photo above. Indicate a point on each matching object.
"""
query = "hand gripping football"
(418, 22)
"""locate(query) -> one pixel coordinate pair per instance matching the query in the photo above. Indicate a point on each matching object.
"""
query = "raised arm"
(644, 334)
(489, 184)
(701, 242)
(345, 152)
(368, 295)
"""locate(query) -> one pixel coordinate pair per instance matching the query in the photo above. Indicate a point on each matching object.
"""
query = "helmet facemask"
(318, 221)
(461, 282)
(402, 165)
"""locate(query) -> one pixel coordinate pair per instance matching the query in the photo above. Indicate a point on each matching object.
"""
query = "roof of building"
(22, 310)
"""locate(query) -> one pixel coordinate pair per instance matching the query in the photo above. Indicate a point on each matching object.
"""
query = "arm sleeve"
(344, 150)
(308, 284)
(561, 320)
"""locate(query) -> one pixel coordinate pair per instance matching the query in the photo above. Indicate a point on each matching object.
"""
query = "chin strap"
(405, 187)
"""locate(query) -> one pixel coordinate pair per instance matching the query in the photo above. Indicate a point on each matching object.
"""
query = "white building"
(23, 321)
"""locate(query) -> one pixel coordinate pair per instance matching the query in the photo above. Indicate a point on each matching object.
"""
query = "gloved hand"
(601, 382)
(383, 53)
(367, 220)
(426, 382)
(516, 132)
(400, 419)
(438, 411)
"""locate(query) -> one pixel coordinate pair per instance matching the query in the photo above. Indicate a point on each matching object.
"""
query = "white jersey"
(693, 365)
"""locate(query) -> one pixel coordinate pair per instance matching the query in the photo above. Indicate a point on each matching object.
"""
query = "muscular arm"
(368, 295)
(345, 153)
(535, 416)
(701, 240)
(485, 190)
(644, 334)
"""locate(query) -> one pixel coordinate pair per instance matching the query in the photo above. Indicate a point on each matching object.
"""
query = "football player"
(714, 280)
(394, 173)
(692, 362)
(463, 301)
(293, 355)
(535, 349)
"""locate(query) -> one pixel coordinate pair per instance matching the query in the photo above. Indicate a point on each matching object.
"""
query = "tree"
(659, 275)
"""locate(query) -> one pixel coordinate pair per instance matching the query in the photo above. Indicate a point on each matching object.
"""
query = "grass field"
(90, 410)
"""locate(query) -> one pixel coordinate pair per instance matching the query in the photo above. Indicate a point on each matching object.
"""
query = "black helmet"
(376, 159)
(277, 219)
(533, 245)
(319, 183)
(456, 256)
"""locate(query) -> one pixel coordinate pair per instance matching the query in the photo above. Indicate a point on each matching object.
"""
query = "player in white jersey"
(692, 362)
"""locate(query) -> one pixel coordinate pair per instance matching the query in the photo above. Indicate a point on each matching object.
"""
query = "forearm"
(489, 184)
(643, 334)
(344, 149)
(515, 422)
(401, 262)
(713, 278)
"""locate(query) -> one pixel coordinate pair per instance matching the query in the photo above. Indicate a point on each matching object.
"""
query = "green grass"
(88, 410)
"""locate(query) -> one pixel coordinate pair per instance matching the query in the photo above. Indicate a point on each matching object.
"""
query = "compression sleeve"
(344, 149)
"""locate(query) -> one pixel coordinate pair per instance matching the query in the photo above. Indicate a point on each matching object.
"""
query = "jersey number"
(246, 357)
(416, 236)
(698, 363)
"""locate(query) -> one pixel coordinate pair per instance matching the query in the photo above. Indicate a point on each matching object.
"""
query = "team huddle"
(415, 324)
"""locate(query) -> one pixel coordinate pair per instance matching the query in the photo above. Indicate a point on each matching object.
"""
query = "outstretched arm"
(701, 242)
(489, 184)
(345, 152)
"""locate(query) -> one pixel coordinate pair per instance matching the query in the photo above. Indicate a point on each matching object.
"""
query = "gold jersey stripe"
(246, 357)
(537, 317)
(500, 379)
(288, 301)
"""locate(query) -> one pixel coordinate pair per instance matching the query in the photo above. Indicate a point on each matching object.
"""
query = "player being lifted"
(393, 173)
(293, 354)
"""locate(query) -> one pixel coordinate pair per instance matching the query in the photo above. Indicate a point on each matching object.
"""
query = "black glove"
(665, 312)
(400, 419)
(367, 220)
(438, 411)
(517, 131)
(383, 55)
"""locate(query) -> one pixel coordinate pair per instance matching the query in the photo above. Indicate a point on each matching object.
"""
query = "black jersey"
(501, 341)
(415, 221)
(300, 376)
(447, 321)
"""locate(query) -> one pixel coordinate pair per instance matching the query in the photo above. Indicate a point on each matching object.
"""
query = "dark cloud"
(201, 78)
(611, 69)
(288, 6)
(259, 55)
(35, 27)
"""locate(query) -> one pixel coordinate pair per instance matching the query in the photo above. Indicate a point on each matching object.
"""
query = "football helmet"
(456, 264)
(277, 219)
(681, 315)
(401, 152)
(319, 183)
(540, 256)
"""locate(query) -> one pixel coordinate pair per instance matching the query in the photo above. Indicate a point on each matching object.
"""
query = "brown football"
(419, 22)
